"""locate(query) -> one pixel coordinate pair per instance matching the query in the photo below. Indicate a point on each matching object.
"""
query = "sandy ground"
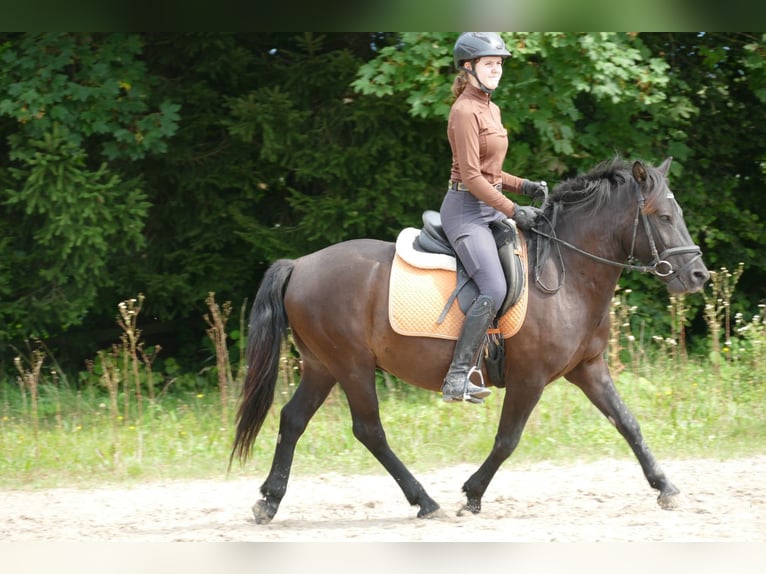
(607, 500)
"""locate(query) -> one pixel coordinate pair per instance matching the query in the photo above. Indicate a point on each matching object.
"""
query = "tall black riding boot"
(457, 385)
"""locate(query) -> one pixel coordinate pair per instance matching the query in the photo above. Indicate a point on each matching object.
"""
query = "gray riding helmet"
(473, 45)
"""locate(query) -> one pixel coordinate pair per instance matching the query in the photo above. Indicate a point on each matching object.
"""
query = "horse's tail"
(267, 329)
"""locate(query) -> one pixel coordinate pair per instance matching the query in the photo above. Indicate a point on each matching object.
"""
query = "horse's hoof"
(431, 510)
(668, 500)
(472, 507)
(263, 512)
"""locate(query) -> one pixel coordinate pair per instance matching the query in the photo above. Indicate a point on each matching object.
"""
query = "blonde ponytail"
(459, 84)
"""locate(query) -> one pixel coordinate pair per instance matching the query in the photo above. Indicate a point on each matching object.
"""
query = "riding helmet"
(473, 45)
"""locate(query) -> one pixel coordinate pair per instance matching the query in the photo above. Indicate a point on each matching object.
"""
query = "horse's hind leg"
(368, 429)
(313, 389)
(596, 382)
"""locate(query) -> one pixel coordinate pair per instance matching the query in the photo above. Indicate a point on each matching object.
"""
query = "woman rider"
(475, 197)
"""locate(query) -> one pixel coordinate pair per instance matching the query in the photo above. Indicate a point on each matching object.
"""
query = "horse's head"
(665, 243)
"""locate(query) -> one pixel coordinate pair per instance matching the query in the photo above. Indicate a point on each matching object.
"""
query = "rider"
(475, 197)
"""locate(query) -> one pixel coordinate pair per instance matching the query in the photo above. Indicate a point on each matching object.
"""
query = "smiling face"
(489, 70)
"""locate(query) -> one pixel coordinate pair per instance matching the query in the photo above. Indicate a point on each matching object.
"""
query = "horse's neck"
(596, 280)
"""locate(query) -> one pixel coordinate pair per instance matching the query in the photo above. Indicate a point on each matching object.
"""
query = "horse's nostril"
(702, 276)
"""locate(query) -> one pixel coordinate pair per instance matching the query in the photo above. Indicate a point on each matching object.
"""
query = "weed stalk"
(216, 321)
(128, 322)
(29, 379)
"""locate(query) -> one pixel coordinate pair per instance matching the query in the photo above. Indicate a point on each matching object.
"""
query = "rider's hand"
(526, 216)
(534, 189)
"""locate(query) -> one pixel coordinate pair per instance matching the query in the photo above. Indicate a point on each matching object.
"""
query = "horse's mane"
(592, 190)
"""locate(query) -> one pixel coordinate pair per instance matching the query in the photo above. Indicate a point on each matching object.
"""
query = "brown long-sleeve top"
(479, 143)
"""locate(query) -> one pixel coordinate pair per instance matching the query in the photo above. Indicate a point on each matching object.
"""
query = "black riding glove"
(534, 189)
(526, 216)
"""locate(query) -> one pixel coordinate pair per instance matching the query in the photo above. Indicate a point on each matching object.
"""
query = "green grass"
(688, 410)
(77, 443)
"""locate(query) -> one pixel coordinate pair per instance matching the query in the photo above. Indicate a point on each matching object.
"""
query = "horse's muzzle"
(689, 278)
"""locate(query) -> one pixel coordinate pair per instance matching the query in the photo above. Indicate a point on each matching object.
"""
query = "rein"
(658, 266)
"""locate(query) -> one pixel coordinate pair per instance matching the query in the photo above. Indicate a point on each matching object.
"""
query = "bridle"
(659, 265)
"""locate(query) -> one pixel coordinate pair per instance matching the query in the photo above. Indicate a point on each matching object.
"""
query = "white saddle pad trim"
(419, 259)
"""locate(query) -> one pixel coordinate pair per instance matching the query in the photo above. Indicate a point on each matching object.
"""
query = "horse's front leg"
(520, 400)
(595, 381)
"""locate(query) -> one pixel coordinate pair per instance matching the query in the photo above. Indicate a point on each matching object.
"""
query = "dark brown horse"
(335, 303)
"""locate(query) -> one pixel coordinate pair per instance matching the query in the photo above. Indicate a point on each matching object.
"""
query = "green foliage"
(749, 348)
(75, 218)
(347, 166)
(91, 85)
(755, 62)
(70, 102)
(720, 178)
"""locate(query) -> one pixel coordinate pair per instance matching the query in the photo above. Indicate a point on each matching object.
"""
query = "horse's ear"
(639, 172)
(665, 166)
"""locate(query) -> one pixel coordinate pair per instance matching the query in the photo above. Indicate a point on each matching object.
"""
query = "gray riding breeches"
(466, 220)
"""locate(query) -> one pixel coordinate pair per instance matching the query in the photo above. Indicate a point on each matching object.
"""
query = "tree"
(74, 107)
(275, 156)
(723, 176)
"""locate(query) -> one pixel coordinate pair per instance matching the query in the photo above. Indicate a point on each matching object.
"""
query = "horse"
(334, 303)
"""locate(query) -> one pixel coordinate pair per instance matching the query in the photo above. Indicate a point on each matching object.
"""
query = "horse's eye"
(665, 218)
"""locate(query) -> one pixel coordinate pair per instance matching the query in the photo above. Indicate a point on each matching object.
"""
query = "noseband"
(659, 265)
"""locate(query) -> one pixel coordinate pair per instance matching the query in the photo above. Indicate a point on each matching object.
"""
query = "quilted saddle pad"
(417, 297)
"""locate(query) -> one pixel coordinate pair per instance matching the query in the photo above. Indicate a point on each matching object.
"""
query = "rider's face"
(489, 69)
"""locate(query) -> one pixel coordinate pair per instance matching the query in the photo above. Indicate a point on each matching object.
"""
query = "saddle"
(426, 272)
(432, 239)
